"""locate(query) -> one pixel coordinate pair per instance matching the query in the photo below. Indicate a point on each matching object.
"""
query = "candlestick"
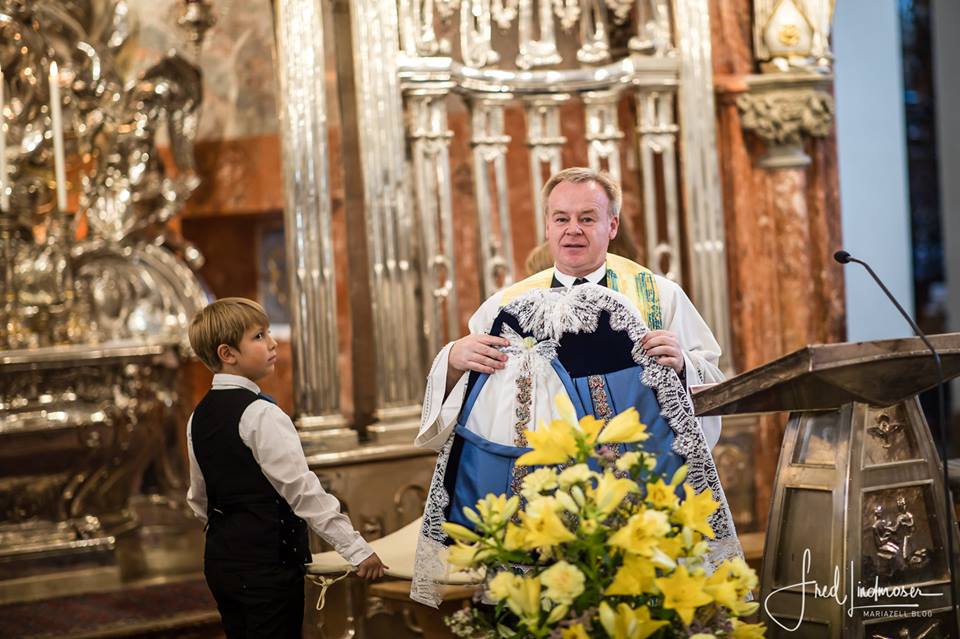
(57, 117)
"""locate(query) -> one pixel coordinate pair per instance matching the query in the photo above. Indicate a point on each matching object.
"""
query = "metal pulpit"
(856, 540)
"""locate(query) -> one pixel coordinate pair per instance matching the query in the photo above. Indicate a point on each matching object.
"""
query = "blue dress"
(596, 371)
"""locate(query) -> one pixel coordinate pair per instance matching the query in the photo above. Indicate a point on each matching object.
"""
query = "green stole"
(623, 276)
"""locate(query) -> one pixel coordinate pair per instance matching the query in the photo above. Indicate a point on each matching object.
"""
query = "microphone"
(843, 257)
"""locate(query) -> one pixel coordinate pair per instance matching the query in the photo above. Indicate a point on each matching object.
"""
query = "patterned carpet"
(185, 610)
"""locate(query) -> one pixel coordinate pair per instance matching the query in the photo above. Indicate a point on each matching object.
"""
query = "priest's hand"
(371, 568)
(476, 353)
(664, 347)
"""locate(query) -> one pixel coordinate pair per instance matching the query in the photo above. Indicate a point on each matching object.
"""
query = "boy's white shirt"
(271, 436)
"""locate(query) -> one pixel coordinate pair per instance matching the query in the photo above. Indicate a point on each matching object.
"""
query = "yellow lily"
(564, 582)
(566, 501)
(627, 623)
(514, 537)
(557, 613)
(591, 427)
(611, 490)
(624, 428)
(462, 555)
(459, 533)
(748, 630)
(722, 589)
(642, 532)
(542, 526)
(679, 475)
(565, 408)
(493, 510)
(634, 578)
(501, 585)
(552, 444)
(661, 495)
(683, 592)
(524, 598)
(695, 511)
(574, 632)
(671, 546)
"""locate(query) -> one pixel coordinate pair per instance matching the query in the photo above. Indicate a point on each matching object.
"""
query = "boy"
(250, 482)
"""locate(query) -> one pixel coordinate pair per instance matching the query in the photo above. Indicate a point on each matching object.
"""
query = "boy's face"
(254, 358)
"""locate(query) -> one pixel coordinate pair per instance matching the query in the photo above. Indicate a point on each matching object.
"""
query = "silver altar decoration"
(655, 66)
(196, 18)
(313, 302)
(701, 174)
(657, 136)
(429, 142)
(603, 132)
(489, 143)
(96, 301)
(545, 143)
(389, 216)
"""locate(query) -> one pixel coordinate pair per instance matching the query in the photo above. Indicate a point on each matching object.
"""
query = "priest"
(602, 331)
(582, 215)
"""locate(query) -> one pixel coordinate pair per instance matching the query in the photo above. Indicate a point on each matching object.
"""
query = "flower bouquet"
(608, 553)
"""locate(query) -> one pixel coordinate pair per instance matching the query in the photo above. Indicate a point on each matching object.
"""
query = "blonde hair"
(578, 174)
(223, 322)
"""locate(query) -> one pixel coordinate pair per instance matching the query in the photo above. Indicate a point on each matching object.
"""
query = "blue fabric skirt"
(478, 466)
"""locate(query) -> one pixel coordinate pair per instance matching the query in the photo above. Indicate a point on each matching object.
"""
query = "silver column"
(545, 142)
(388, 211)
(489, 142)
(657, 139)
(429, 141)
(701, 173)
(603, 131)
(303, 123)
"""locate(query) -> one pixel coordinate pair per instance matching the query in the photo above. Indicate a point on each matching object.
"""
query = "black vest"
(248, 520)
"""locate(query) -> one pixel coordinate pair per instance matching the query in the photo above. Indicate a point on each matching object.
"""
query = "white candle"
(55, 114)
(4, 198)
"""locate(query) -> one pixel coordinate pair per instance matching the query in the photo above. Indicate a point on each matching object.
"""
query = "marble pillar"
(781, 211)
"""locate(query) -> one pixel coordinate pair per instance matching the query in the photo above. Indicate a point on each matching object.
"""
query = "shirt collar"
(594, 278)
(225, 380)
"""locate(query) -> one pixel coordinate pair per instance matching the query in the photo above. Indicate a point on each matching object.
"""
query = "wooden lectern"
(858, 491)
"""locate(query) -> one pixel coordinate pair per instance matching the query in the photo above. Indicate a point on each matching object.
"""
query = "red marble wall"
(782, 227)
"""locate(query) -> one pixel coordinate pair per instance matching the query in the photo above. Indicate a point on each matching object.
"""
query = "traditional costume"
(584, 342)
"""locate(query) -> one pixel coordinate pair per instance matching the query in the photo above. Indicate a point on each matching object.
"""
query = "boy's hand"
(371, 568)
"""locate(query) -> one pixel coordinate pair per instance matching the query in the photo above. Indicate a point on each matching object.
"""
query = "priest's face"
(579, 227)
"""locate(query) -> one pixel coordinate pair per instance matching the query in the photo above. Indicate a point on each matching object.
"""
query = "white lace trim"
(430, 565)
